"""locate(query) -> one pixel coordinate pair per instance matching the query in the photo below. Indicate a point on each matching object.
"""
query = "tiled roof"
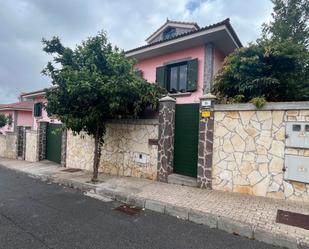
(224, 22)
(34, 92)
(171, 21)
(26, 105)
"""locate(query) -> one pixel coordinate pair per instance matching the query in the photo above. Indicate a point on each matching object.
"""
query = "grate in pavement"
(131, 210)
(71, 170)
(293, 219)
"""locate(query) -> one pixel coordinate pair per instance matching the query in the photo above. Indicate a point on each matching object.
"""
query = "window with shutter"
(37, 110)
(179, 77)
(161, 76)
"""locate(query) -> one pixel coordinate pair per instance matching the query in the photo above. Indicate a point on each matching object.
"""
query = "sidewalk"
(249, 216)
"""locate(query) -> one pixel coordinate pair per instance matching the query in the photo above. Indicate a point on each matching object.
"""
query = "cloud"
(23, 23)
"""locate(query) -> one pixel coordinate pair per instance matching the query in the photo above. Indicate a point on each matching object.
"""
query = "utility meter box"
(297, 134)
(297, 168)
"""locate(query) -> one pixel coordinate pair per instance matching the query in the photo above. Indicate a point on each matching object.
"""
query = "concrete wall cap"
(208, 96)
(167, 98)
(300, 105)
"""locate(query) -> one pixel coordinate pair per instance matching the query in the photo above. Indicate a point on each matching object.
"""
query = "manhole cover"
(71, 170)
(127, 209)
(293, 219)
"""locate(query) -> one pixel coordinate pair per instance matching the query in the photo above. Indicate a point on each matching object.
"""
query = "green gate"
(186, 139)
(53, 142)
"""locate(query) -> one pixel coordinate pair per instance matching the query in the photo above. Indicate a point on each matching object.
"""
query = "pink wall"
(44, 117)
(218, 61)
(6, 128)
(24, 118)
(148, 66)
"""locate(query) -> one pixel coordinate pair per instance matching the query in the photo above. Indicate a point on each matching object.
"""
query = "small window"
(296, 127)
(306, 128)
(37, 110)
(169, 33)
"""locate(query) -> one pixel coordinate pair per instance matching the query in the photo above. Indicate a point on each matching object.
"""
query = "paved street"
(34, 214)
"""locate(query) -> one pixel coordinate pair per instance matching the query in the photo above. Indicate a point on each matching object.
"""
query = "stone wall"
(31, 154)
(249, 150)
(2, 145)
(8, 145)
(124, 142)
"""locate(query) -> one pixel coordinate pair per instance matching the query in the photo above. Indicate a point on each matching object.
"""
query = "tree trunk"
(97, 156)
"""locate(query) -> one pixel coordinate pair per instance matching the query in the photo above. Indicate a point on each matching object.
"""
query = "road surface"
(35, 214)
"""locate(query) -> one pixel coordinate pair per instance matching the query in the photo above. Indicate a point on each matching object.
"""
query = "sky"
(23, 24)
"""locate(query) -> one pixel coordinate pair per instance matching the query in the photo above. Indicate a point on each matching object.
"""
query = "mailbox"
(296, 168)
(297, 134)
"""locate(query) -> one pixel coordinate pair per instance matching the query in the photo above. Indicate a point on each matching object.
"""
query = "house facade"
(39, 113)
(19, 114)
(193, 141)
(184, 58)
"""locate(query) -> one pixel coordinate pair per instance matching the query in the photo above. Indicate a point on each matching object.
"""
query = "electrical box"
(296, 168)
(297, 134)
(141, 158)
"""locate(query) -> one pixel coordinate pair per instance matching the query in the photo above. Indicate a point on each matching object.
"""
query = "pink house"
(184, 58)
(39, 113)
(20, 114)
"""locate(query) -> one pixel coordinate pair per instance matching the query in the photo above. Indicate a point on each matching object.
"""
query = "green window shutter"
(161, 76)
(37, 112)
(192, 75)
(40, 109)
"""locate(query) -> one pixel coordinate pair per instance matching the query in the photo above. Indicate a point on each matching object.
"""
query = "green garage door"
(53, 142)
(186, 139)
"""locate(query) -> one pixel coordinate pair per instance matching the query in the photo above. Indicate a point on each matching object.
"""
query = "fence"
(8, 145)
(129, 149)
(250, 151)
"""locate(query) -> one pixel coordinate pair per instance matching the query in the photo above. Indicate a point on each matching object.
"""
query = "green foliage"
(93, 83)
(290, 22)
(277, 66)
(3, 120)
(259, 102)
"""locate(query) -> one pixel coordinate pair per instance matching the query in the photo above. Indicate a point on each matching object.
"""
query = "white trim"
(169, 24)
(179, 94)
(180, 39)
(15, 109)
(229, 33)
(30, 95)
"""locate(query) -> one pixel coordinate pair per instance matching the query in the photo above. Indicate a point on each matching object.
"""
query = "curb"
(209, 219)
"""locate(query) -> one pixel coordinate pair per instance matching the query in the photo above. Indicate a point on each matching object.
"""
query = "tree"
(93, 83)
(3, 120)
(290, 22)
(276, 67)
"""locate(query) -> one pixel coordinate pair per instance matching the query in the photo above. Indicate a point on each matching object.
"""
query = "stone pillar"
(26, 128)
(166, 138)
(205, 144)
(208, 67)
(42, 130)
(20, 142)
(64, 148)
